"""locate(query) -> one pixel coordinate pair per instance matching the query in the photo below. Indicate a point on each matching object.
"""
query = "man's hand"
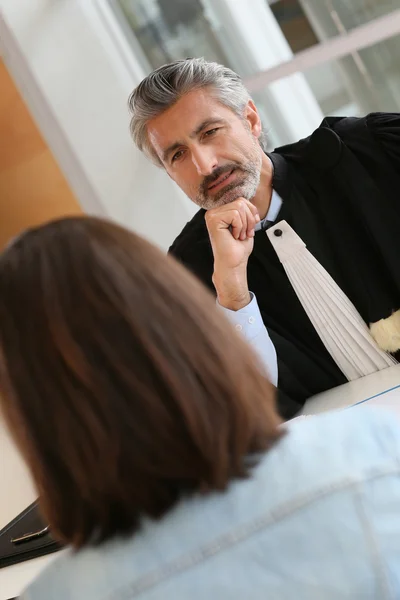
(231, 231)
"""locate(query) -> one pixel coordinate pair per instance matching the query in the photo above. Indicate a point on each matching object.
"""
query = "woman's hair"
(122, 384)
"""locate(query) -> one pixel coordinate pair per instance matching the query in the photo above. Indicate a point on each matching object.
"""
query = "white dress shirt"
(248, 320)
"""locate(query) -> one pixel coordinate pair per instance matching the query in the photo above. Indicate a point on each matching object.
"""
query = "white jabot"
(339, 325)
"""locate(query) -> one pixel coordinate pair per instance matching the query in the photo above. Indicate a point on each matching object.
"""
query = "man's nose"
(204, 160)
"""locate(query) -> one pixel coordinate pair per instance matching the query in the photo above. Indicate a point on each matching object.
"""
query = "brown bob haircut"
(123, 386)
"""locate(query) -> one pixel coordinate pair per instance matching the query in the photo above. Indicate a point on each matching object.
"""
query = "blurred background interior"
(68, 67)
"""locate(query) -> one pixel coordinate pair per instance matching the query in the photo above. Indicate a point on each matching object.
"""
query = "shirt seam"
(384, 588)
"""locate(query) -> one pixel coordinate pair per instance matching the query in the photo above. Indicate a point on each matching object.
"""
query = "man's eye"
(211, 131)
(177, 155)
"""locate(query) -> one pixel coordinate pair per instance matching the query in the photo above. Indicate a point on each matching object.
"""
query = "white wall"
(76, 73)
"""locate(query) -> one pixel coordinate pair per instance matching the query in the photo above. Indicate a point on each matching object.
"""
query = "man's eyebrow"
(199, 129)
(204, 124)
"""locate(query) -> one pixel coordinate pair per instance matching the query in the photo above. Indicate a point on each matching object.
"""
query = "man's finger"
(244, 212)
(251, 222)
(250, 217)
(248, 214)
(237, 225)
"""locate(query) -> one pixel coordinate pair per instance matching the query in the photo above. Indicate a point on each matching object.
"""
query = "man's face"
(212, 154)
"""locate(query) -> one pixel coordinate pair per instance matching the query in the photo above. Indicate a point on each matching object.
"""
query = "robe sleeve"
(385, 128)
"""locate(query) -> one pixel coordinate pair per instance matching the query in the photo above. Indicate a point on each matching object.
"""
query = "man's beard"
(245, 184)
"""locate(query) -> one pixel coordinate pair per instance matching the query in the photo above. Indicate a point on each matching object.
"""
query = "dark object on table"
(26, 537)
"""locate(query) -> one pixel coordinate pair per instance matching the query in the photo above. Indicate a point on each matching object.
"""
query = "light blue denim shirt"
(319, 519)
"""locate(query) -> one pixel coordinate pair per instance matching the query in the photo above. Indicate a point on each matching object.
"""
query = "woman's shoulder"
(358, 428)
(334, 450)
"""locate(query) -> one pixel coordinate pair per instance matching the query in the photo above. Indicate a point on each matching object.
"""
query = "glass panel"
(168, 30)
(366, 81)
(370, 81)
(331, 17)
(305, 23)
(294, 23)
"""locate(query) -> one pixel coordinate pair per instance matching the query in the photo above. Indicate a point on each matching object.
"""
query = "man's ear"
(253, 118)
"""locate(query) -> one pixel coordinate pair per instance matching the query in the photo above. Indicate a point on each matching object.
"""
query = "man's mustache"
(209, 179)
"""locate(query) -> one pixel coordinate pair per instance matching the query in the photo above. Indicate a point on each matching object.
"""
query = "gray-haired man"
(197, 121)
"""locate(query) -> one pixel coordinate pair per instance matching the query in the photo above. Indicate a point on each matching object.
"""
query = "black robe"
(341, 194)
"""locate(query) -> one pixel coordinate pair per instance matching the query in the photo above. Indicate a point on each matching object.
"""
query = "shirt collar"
(274, 205)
